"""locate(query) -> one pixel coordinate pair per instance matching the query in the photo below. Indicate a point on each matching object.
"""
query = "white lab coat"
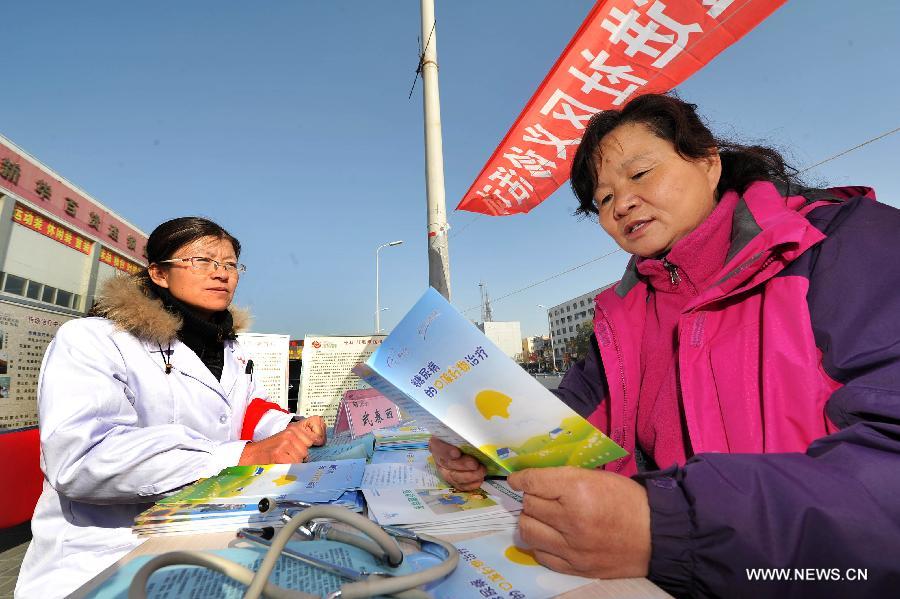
(118, 433)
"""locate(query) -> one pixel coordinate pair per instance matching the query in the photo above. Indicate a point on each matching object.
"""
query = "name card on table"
(364, 410)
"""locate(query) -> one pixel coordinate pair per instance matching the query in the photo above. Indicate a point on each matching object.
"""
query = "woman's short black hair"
(676, 121)
(167, 238)
(173, 234)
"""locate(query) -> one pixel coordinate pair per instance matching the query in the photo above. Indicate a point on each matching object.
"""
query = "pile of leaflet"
(402, 437)
(343, 446)
(413, 468)
(441, 511)
(230, 499)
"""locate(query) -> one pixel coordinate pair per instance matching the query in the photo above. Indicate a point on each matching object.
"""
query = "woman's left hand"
(585, 522)
(314, 426)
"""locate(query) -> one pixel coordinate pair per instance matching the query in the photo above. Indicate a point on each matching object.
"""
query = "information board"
(269, 353)
(25, 334)
(327, 364)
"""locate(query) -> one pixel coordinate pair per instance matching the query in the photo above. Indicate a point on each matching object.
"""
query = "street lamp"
(377, 266)
(550, 333)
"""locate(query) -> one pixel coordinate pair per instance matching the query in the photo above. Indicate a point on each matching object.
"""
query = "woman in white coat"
(147, 397)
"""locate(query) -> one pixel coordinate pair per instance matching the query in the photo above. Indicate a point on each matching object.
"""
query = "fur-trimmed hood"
(124, 300)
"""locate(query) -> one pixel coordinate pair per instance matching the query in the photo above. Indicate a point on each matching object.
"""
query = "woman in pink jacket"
(749, 361)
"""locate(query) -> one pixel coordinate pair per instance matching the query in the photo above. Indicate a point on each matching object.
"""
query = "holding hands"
(460, 470)
(585, 522)
(287, 447)
(577, 521)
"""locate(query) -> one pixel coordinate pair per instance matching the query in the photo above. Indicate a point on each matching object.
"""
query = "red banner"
(117, 261)
(44, 226)
(623, 49)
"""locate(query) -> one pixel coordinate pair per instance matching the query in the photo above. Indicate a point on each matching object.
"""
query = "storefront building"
(57, 245)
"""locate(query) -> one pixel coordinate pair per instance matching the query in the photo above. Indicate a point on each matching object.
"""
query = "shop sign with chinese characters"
(117, 261)
(26, 180)
(36, 222)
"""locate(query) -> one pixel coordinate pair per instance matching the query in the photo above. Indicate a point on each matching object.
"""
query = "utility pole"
(481, 289)
(438, 247)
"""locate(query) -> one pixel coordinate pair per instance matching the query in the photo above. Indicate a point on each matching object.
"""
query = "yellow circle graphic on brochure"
(517, 555)
(492, 403)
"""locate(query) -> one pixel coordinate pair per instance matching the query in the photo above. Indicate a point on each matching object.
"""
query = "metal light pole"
(377, 268)
(550, 333)
(438, 248)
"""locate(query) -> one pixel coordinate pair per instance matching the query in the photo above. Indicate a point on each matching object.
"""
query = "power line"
(568, 270)
(839, 154)
(421, 59)
(550, 278)
(463, 228)
(800, 172)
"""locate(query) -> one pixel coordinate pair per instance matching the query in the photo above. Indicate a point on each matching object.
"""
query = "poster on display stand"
(269, 353)
(327, 371)
(25, 334)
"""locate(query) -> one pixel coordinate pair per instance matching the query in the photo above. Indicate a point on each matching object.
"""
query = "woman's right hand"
(460, 470)
(287, 447)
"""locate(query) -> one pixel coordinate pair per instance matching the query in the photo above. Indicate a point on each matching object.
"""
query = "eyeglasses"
(203, 264)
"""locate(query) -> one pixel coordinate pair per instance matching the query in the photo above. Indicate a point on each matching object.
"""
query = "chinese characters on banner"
(327, 364)
(48, 228)
(25, 334)
(623, 48)
(117, 261)
(26, 180)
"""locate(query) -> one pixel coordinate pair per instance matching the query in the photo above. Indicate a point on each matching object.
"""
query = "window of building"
(14, 284)
(64, 298)
(570, 329)
(39, 292)
(33, 291)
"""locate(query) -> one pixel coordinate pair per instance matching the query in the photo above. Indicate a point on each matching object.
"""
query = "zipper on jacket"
(623, 438)
(673, 272)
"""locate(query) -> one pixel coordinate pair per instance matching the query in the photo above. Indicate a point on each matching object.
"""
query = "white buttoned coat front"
(118, 433)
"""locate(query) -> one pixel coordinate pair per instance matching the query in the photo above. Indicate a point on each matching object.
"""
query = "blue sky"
(289, 123)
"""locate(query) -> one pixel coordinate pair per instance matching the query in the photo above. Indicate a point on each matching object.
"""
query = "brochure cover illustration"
(230, 499)
(179, 582)
(310, 481)
(443, 372)
(499, 565)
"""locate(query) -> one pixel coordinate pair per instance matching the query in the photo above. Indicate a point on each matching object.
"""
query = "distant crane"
(487, 314)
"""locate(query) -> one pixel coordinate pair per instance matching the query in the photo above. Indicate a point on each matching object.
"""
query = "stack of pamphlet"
(405, 436)
(411, 469)
(493, 507)
(186, 581)
(230, 499)
(343, 446)
(498, 565)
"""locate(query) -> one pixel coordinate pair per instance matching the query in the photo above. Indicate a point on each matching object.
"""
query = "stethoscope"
(298, 516)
